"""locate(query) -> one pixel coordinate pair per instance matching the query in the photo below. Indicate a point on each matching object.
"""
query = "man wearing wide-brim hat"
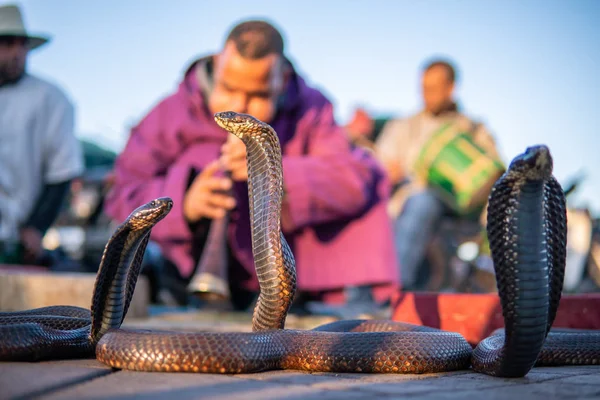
(39, 153)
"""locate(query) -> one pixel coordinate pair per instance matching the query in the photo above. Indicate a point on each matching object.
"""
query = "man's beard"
(447, 107)
(11, 71)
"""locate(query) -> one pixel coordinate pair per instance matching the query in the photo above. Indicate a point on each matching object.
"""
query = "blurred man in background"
(39, 153)
(333, 215)
(416, 208)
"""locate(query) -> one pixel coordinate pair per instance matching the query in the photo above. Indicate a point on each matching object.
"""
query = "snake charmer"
(333, 192)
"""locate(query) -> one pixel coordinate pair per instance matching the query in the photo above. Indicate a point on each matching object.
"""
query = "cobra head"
(147, 215)
(241, 125)
(534, 164)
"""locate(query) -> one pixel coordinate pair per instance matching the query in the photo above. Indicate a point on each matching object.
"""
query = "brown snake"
(527, 233)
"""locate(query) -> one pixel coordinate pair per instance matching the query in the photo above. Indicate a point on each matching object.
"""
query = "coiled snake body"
(527, 235)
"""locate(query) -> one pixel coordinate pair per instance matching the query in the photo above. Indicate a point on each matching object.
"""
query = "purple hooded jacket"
(339, 231)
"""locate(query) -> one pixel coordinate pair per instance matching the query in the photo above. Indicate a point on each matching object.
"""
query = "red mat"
(476, 316)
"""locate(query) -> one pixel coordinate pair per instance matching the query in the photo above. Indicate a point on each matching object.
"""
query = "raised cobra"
(72, 332)
(527, 235)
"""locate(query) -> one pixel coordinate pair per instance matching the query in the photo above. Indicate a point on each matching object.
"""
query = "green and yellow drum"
(458, 169)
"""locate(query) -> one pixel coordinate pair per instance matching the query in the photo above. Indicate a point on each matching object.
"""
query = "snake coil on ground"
(527, 235)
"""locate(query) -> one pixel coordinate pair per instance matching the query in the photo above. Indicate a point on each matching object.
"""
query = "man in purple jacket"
(333, 214)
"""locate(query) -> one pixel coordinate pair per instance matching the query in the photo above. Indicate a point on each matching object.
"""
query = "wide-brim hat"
(11, 24)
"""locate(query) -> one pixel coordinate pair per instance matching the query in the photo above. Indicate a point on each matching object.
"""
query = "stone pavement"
(89, 379)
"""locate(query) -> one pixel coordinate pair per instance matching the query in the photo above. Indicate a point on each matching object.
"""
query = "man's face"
(437, 90)
(246, 86)
(13, 54)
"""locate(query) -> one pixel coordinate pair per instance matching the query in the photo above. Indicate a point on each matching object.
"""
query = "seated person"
(333, 215)
(416, 209)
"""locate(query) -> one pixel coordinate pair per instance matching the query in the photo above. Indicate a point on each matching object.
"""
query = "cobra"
(527, 235)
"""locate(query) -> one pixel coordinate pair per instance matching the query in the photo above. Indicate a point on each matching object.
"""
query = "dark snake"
(527, 235)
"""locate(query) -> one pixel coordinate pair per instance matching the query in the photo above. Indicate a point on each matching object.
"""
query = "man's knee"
(422, 205)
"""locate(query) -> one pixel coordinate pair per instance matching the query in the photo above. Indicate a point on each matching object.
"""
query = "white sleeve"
(63, 155)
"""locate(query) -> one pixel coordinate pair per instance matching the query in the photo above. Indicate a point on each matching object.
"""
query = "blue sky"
(528, 69)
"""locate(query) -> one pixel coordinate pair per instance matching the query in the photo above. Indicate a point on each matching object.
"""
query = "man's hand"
(361, 126)
(31, 239)
(205, 197)
(233, 158)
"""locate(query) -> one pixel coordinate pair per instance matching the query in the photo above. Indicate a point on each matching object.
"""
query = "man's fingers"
(237, 151)
(233, 140)
(221, 201)
(208, 208)
(240, 176)
(238, 168)
(227, 160)
(237, 164)
(217, 184)
(207, 197)
(209, 170)
(232, 150)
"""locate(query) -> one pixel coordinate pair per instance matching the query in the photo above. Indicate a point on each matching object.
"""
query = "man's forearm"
(48, 206)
